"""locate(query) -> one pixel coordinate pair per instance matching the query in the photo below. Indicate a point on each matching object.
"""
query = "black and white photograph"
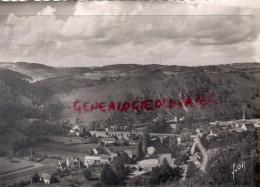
(130, 93)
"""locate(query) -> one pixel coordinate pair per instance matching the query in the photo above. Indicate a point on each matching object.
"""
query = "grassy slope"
(231, 84)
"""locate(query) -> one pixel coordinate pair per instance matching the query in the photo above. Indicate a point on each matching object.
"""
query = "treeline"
(160, 175)
(43, 127)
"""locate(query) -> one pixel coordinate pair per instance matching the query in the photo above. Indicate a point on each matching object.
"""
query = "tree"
(173, 145)
(176, 173)
(145, 141)
(108, 176)
(192, 170)
(87, 174)
(35, 178)
(21, 184)
(53, 179)
(155, 176)
(119, 166)
(165, 164)
(182, 159)
(122, 158)
(204, 141)
(140, 152)
(165, 173)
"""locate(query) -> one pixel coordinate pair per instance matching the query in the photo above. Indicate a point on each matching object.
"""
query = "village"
(134, 151)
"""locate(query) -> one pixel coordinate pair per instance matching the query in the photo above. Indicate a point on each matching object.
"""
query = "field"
(16, 164)
(65, 139)
(19, 170)
(8, 132)
(65, 151)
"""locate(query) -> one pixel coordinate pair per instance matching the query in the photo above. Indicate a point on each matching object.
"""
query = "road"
(205, 157)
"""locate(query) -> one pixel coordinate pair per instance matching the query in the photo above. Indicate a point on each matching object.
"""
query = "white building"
(96, 160)
(45, 178)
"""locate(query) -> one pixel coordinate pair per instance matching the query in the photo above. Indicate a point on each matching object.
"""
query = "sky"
(98, 33)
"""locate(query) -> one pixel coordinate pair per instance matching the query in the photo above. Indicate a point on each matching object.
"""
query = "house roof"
(129, 152)
(46, 176)
(148, 163)
(92, 157)
(100, 149)
(250, 126)
(119, 132)
(104, 157)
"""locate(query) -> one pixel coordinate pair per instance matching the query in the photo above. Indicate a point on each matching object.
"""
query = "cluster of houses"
(69, 164)
(105, 153)
(235, 125)
(216, 128)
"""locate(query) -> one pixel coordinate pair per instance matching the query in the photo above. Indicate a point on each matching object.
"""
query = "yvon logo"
(238, 167)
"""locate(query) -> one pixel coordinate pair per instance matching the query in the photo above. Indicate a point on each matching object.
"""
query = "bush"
(35, 178)
(21, 183)
(108, 176)
(87, 174)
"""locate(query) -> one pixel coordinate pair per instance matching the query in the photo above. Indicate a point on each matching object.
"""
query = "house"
(150, 151)
(132, 142)
(173, 126)
(92, 160)
(45, 178)
(238, 129)
(95, 151)
(99, 150)
(125, 128)
(182, 119)
(248, 127)
(211, 133)
(188, 132)
(105, 159)
(172, 120)
(194, 157)
(108, 140)
(197, 163)
(99, 133)
(129, 152)
(199, 132)
(214, 123)
(166, 156)
(76, 163)
(96, 160)
(179, 140)
(119, 134)
(148, 164)
(78, 130)
(75, 129)
(236, 125)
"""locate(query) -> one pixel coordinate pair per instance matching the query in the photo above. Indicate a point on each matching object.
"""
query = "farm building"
(108, 140)
(96, 160)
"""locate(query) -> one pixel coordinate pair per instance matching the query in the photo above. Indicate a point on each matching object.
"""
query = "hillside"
(232, 85)
(37, 72)
(19, 98)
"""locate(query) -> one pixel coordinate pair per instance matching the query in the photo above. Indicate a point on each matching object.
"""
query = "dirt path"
(205, 156)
